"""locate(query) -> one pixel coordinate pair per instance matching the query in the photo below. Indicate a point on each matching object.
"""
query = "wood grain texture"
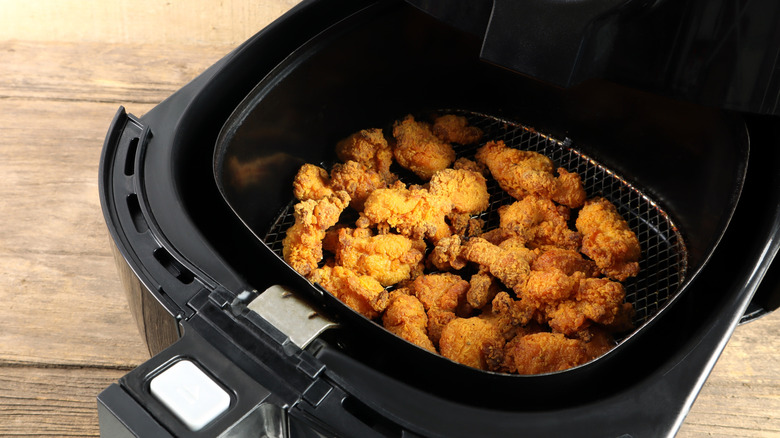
(65, 330)
(175, 22)
(55, 402)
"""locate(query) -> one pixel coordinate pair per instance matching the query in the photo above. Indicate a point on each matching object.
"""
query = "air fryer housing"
(191, 267)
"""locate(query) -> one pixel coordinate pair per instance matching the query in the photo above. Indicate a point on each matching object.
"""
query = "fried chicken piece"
(510, 265)
(405, 316)
(311, 182)
(549, 287)
(466, 189)
(462, 224)
(482, 289)
(544, 352)
(390, 258)
(362, 293)
(521, 173)
(443, 297)
(331, 241)
(416, 213)
(510, 316)
(498, 235)
(302, 245)
(568, 189)
(438, 319)
(539, 222)
(472, 341)
(446, 254)
(608, 240)
(418, 150)
(444, 290)
(567, 261)
(596, 340)
(455, 129)
(600, 299)
(357, 180)
(466, 164)
(572, 303)
(369, 148)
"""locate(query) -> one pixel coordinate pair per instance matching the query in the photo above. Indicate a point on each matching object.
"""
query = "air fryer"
(197, 244)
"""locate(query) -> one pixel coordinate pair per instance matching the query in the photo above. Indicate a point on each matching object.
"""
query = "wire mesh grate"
(663, 264)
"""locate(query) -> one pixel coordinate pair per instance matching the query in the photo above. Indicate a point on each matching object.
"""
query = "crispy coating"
(444, 290)
(418, 150)
(600, 299)
(466, 189)
(416, 213)
(446, 254)
(510, 265)
(390, 258)
(511, 317)
(539, 222)
(455, 129)
(369, 148)
(443, 297)
(498, 235)
(471, 341)
(302, 246)
(543, 352)
(569, 304)
(521, 173)
(568, 189)
(311, 182)
(357, 180)
(464, 225)
(550, 287)
(405, 316)
(608, 240)
(482, 289)
(464, 163)
(360, 292)
(534, 302)
(567, 261)
(518, 172)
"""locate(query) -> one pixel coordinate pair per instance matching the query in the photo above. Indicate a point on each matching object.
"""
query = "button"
(192, 396)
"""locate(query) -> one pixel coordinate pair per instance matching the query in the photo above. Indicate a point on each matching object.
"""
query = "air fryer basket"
(655, 158)
(663, 265)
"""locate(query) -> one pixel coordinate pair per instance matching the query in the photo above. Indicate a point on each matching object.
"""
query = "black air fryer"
(667, 108)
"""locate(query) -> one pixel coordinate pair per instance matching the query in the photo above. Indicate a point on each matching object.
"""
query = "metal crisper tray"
(664, 261)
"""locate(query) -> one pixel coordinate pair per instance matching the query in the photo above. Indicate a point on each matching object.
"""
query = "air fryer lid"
(390, 60)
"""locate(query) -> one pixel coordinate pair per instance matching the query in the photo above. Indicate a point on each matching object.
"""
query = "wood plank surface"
(65, 328)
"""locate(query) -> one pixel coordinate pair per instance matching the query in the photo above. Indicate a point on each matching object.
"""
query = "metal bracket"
(290, 314)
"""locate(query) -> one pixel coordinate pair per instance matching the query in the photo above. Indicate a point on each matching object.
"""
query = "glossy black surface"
(386, 62)
(719, 53)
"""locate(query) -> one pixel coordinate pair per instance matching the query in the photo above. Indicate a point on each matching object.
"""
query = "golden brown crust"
(369, 148)
(608, 240)
(523, 173)
(467, 190)
(389, 258)
(455, 129)
(405, 316)
(418, 150)
(532, 303)
(302, 246)
(471, 341)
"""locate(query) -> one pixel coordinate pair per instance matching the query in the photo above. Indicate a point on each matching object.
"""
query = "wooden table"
(65, 329)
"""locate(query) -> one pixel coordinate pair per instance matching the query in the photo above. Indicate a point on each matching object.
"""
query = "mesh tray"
(663, 263)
